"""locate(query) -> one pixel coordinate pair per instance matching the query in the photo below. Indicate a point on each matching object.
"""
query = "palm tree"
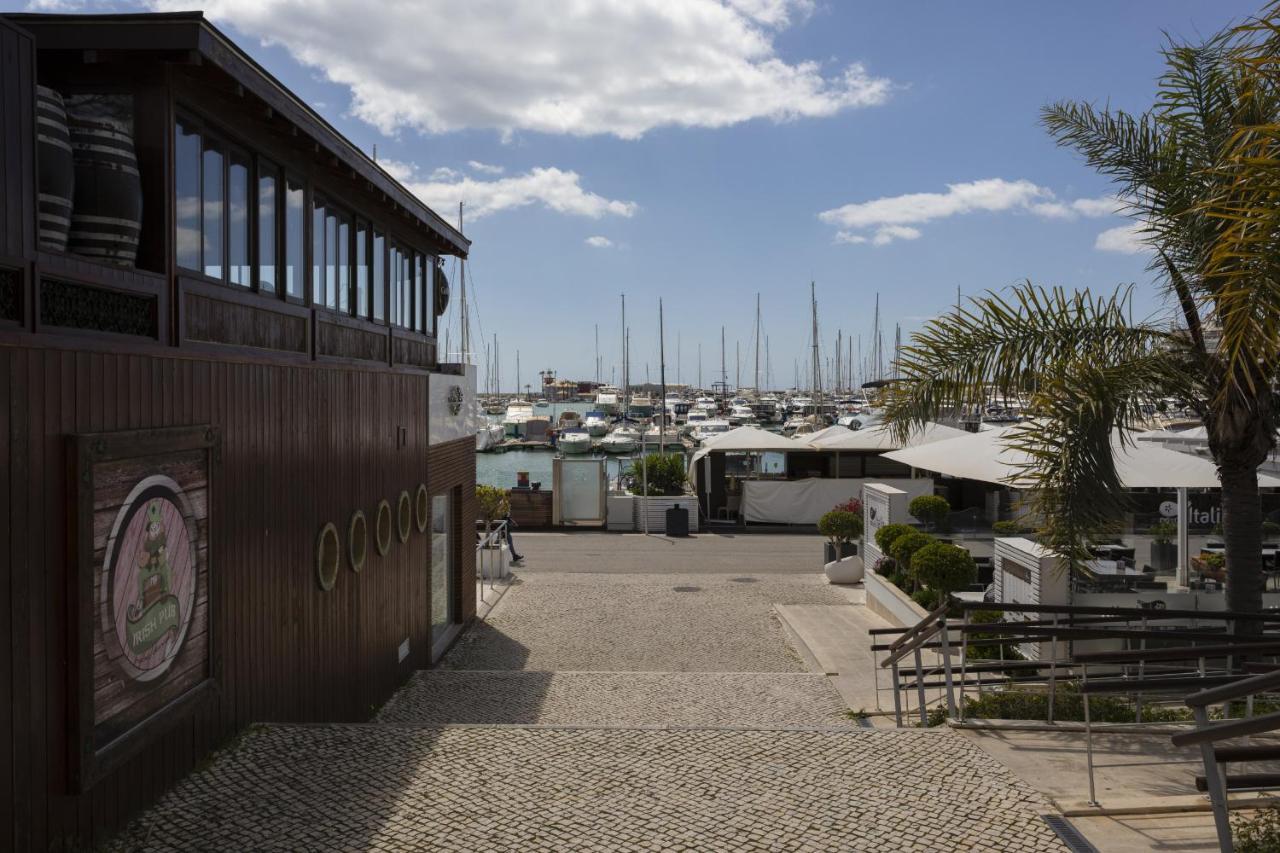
(1200, 176)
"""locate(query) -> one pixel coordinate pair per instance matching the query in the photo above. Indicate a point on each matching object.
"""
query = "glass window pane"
(379, 277)
(362, 269)
(317, 254)
(213, 210)
(267, 229)
(344, 265)
(406, 290)
(187, 191)
(419, 293)
(331, 259)
(442, 583)
(394, 265)
(294, 239)
(238, 220)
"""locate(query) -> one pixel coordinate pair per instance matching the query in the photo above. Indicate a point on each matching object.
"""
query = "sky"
(703, 151)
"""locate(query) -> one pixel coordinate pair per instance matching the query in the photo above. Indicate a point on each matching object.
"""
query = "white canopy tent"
(746, 439)
(879, 438)
(984, 456)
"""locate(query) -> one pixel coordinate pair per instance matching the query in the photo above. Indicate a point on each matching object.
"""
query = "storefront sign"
(143, 547)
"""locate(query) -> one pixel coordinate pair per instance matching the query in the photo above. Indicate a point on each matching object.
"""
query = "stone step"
(734, 699)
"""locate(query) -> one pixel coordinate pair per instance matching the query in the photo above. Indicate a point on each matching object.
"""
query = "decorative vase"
(845, 570)
(847, 549)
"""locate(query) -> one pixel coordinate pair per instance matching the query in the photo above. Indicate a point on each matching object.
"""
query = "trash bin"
(677, 521)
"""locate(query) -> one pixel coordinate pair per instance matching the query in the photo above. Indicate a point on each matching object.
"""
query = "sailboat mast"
(463, 319)
(817, 366)
(518, 374)
(757, 342)
(724, 375)
(597, 353)
(662, 380)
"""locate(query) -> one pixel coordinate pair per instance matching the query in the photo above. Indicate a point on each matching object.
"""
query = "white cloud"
(599, 242)
(397, 169)
(554, 189)
(1125, 239)
(440, 173)
(477, 166)
(890, 218)
(620, 67)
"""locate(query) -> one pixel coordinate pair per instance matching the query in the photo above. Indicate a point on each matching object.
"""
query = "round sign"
(1168, 509)
(149, 578)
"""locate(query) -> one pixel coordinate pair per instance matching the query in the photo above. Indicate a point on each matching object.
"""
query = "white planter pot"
(494, 562)
(847, 570)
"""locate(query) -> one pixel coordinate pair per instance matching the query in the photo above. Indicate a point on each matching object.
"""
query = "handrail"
(1235, 690)
(1228, 730)
(1138, 612)
(926, 622)
(1180, 652)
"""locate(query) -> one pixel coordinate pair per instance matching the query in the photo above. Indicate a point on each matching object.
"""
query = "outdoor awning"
(879, 438)
(747, 439)
(984, 457)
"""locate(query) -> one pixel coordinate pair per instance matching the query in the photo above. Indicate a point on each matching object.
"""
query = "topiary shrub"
(852, 505)
(1004, 528)
(903, 549)
(944, 568)
(1163, 531)
(886, 535)
(931, 510)
(840, 526)
(664, 472)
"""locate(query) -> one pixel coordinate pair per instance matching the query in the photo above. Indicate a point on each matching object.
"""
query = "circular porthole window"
(404, 511)
(357, 541)
(328, 555)
(383, 528)
(424, 508)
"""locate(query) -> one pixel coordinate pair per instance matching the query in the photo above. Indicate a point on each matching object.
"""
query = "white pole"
(1184, 560)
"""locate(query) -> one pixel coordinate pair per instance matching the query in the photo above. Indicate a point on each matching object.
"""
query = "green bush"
(1023, 704)
(1004, 528)
(840, 526)
(1270, 529)
(886, 535)
(1163, 531)
(930, 509)
(492, 503)
(904, 548)
(929, 599)
(993, 648)
(665, 474)
(1259, 833)
(944, 568)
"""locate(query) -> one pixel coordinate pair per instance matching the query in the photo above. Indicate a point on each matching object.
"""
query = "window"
(393, 267)
(442, 583)
(211, 208)
(238, 271)
(187, 196)
(379, 277)
(317, 254)
(363, 273)
(294, 239)
(344, 264)
(267, 201)
(419, 293)
(406, 289)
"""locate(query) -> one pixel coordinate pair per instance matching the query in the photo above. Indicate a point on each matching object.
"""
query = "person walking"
(516, 559)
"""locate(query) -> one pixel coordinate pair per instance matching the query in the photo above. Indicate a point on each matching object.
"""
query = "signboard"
(1204, 509)
(143, 549)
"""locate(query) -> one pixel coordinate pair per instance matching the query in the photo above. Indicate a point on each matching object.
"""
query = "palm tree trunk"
(1242, 534)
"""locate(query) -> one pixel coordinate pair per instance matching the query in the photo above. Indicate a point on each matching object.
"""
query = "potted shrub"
(932, 510)
(664, 473)
(887, 534)
(843, 565)
(492, 504)
(1164, 553)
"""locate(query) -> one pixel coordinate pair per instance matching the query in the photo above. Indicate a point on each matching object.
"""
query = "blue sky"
(702, 140)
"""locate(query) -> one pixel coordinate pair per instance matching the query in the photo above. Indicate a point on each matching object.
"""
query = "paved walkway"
(611, 711)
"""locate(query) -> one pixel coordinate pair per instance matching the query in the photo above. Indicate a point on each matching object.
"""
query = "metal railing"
(489, 550)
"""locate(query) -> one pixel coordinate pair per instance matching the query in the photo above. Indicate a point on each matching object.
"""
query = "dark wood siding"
(302, 446)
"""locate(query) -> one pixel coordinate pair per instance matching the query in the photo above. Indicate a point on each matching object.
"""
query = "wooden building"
(220, 499)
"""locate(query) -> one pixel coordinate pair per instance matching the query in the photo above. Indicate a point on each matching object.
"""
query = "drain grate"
(865, 722)
(1068, 834)
(687, 588)
(744, 580)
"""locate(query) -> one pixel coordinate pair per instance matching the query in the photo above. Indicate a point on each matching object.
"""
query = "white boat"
(574, 441)
(697, 418)
(641, 406)
(711, 428)
(542, 404)
(741, 414)
(607, 400)
(569, 420)
(518, 414)
(621, 440)
(488, 436)
(596, 424)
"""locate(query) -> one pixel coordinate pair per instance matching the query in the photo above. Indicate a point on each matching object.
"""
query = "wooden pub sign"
(143, 567)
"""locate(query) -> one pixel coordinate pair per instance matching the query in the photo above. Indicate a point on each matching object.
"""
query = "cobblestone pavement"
(518, 788)
(769, 699)
(659, 623)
